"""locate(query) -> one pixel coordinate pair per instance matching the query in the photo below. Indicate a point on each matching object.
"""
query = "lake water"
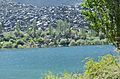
(32, 63)
(49, 2)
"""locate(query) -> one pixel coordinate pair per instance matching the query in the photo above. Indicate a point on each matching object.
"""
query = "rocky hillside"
(12, 13)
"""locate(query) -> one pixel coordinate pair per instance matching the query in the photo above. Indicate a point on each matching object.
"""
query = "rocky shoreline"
(12, 12)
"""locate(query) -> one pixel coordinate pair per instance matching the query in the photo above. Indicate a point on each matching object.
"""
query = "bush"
(72, 43)
(7, 45)
(12, 40)
(20, 42)
(51, 44)
(19, 34)
(8, 36)
(20, 46)
(106, 67)
(14, 45)
(64, 42)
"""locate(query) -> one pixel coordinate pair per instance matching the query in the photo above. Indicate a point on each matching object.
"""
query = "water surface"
(32, 63)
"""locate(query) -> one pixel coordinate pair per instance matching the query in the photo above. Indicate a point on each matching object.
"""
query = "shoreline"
(53, 47)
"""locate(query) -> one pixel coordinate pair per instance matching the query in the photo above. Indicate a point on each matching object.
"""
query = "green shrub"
(44, 46)
(78, 42)
(14, 45)
(106, 67)
(19, 34)
(12, 40)
(51, 44)
(20, 46)
(72, 43)
(8, 36)
(7, 45)
(20, 42)
(63, 42)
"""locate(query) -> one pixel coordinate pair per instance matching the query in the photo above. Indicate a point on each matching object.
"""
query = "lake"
(49, 2)
(33, 63)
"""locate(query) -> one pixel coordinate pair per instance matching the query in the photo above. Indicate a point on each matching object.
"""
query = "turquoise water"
(49, 2)
(32, 63)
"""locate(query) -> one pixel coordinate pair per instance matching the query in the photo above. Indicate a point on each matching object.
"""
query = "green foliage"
(20, 46)
(103, 16)
(64, 42)
(72, 43)
(17, 27)
(50, 30)
(62, 27)
(40, 40)
(106, 67)
(7, 45)
(62, 35)
(8, 36)
(1, 28)
(82, 31)
(66, 75)
(20, 42)
(51, 44)
(18, 32)
(34, 28)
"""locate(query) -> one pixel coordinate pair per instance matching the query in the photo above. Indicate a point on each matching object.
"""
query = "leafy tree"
(103, 15)
(18, 32)
(34, 28)
(62, 26)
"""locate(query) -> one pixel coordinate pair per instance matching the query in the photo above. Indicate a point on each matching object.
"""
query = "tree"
(17, 31)
(62, 26)
(34, 28)
(17, 27)
(103, 15)
(50, 30)
(1, 27)
(114, 13)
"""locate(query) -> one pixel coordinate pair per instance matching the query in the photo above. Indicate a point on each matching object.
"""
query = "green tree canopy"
(103, 15)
